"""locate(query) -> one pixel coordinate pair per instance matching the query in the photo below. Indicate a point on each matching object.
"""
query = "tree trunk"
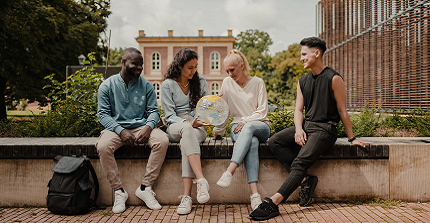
(3, 114)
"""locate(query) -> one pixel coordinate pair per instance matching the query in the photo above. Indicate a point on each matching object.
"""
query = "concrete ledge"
(47, 148)
(393, 168)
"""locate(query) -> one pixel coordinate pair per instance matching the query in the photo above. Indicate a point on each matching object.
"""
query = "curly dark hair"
(173, 72)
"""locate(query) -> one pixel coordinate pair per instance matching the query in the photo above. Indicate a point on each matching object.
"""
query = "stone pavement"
(319, 212)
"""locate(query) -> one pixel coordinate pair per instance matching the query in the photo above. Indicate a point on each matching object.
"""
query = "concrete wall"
(410, 172)
(24, 181)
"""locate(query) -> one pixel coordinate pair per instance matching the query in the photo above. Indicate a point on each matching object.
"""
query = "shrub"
(9, 128)
(280, 120)
(74, 106)
(210, 132)
(417, 119)
(365, 124)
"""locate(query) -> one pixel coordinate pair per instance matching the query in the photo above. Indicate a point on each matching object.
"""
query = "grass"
(107, 213)
(27, 113)
(384, 203)
(417, 209)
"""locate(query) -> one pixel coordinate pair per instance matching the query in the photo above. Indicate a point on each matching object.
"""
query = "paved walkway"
(320, 212)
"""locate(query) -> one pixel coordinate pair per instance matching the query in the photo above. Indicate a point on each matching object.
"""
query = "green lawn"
(15, 113)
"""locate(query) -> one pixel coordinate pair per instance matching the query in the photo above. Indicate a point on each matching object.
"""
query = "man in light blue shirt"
(128, 109)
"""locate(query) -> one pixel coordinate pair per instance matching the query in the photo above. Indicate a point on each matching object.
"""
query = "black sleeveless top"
(320, 104)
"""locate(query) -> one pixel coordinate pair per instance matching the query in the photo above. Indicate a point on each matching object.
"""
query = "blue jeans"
(246, 146)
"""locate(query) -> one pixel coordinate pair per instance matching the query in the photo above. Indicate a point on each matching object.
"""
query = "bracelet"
(352, 139)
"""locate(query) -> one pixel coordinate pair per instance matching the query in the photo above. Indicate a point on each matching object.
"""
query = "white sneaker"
(119, 203)
(225, 180)
(148, 196)
(202, 190)
(255, 201)
(185, 206)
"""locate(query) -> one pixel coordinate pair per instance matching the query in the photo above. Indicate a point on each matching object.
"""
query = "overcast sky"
(286, 21)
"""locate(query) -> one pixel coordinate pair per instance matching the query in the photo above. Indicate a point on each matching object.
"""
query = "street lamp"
(81, 59)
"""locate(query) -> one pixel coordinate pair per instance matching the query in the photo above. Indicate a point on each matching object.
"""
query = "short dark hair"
(129, 51)
(314, 42)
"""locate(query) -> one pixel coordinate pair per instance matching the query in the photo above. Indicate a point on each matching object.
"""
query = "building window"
(215, 88)
(215, 61)
(157, 89)
(155, 61)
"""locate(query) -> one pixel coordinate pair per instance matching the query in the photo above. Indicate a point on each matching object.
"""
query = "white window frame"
(215, 62)
(215, 91)
(157, 88)
(155, 62)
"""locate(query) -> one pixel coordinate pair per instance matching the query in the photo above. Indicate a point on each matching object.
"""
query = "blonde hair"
(237, 56)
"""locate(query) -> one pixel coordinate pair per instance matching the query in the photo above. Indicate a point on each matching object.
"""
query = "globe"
(212, 109)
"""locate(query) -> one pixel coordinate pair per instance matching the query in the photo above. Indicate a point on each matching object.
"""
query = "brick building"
(381, 48)
(159, 51)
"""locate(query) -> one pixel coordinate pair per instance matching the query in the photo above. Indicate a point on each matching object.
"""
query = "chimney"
(200, 32)
(170, 32)
(230, 32)
(141, 32)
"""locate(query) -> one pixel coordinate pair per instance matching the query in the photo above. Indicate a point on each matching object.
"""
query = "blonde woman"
(181, 90)
(247, 100)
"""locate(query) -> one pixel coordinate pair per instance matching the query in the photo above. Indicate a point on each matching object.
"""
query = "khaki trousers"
(109, 142)
(189, 139)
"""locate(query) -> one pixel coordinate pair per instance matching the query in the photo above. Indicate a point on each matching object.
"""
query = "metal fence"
(381, 48)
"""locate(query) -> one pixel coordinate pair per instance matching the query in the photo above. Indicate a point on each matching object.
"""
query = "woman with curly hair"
(181, 90)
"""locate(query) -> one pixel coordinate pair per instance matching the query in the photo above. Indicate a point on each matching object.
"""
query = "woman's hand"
(238, 127)
(197, 124)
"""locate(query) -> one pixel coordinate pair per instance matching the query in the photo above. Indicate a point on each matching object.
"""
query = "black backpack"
(70, 187)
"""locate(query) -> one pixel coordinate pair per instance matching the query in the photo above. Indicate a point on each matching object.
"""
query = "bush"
(210, 132)
(417, 119)
(365, 124)
(280, 120)
(74, 108)
(9, 128)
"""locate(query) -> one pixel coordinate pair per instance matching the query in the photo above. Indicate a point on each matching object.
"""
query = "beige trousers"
(109, 142)
(189, 139)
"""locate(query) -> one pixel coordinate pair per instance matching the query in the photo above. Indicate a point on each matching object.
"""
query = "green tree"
(254, 44)
(115, 56)
(40, 37)
(287, 69)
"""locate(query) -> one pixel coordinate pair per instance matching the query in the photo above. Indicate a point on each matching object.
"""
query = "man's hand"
(358, 142)
(127, 137)
(300, 137)
(143, 136)
(238, 127)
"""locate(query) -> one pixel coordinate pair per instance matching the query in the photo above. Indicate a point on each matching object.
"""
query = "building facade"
(381, 48)
(159, 51)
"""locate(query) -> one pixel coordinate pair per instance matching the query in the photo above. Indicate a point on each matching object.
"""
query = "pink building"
(159, 51)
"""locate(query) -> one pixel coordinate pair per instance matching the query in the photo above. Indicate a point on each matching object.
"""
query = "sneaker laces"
(118, 198)
(305, 191)
(151, 196)
(201, 187)
(184, 198)
(265, 205)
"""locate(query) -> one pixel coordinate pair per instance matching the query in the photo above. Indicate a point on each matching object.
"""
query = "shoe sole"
(155, 209)
(311, 192)
(222, 186)
(204, 201)
(272, 215)
(183, 213)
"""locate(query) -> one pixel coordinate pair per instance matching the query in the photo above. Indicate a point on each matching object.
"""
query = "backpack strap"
(96, 182)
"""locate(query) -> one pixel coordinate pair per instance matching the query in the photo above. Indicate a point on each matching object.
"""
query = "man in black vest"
(322, 93)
